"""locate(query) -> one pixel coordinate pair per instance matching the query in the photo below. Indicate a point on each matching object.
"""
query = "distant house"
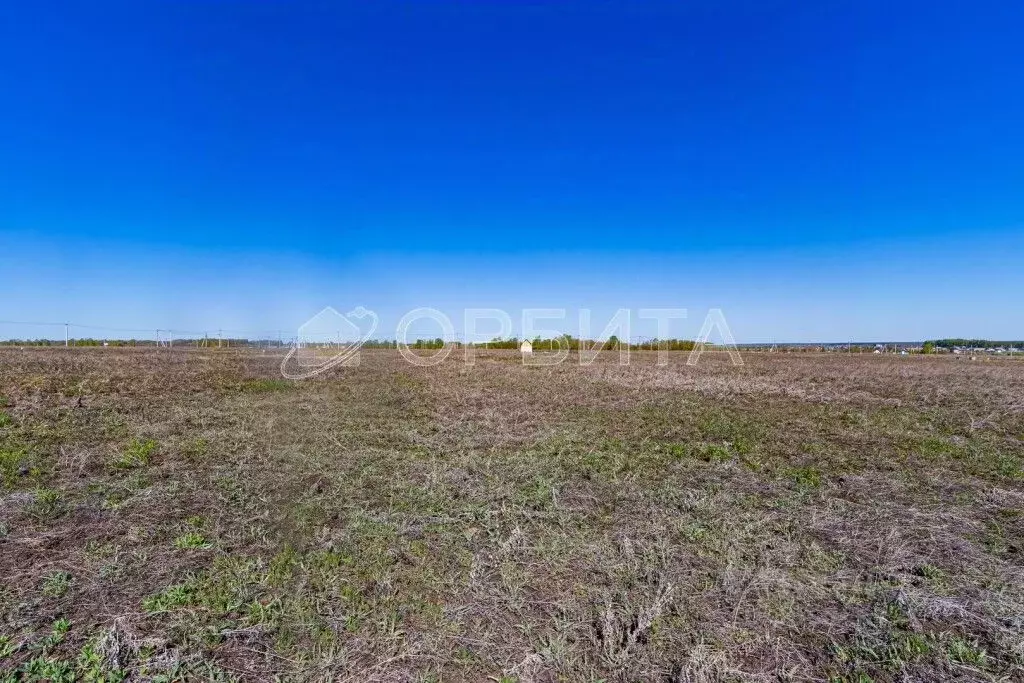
(526, 347)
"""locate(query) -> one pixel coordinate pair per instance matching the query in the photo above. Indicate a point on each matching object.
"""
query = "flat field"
(189, 514)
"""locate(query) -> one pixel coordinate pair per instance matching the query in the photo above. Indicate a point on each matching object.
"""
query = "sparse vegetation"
(264, 385)
(138, 453)
(191, 540)
(56, 584)
(46, 504)
(834, 517)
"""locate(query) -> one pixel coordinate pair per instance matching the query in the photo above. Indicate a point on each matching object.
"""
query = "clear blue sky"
(820, 170)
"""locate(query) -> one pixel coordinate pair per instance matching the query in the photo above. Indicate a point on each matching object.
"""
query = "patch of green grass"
(678, 451)
(229, 586)
(46, 505)
(726, 426)
(906, 648)
(894, 653)
(96, 550)
(117, 491)
(195, 449)
(13, 462)
(1008, 466)
(806, 478)
(265, 385)
(708, 452)
(178, 595)
(992, 461)
(537, 494)
(996, 539)
(58, 632)
(264, 611)
(935, 448)
(965, 651)
(89, 666)
(7, 647)
(138, 453)
(19, 467)
(696, 532)
(5, 419)
(934, 574)
(712, 452)
(192, 540)
(46, 669)
(57, 584)
(821, 560)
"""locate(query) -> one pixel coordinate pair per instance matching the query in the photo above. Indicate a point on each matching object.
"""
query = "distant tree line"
(88, 341)
(78, 342)
(613, 343)
(564, 341)
(975, 343)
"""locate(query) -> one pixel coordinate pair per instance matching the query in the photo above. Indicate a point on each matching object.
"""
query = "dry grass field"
(169, 515)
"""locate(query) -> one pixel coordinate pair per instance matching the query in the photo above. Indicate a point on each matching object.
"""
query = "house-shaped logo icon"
(327, 336)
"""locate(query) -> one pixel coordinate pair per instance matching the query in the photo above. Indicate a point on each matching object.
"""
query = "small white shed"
(526, 347)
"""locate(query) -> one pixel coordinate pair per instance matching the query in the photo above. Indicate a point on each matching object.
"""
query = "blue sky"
(820, 170)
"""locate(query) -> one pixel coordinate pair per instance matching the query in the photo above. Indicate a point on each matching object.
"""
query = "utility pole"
(66, 338)
(158, 342)
(220, 337)
(170, 339)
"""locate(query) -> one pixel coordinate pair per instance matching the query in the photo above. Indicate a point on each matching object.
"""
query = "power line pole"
(170, 339)
(220, 337)
(66, 337)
